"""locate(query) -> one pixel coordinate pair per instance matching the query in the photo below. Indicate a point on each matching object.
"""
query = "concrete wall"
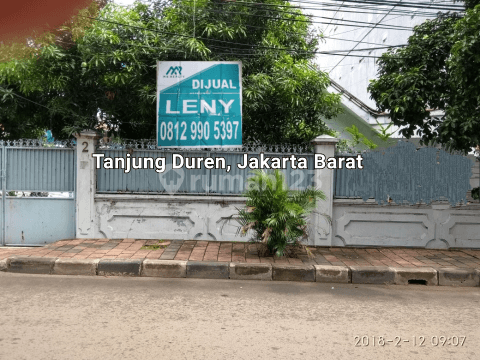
(176, 216)
(167, 217)
(354, 222)
(358, 223)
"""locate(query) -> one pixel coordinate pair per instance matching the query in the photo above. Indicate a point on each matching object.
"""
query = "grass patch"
(155, 246)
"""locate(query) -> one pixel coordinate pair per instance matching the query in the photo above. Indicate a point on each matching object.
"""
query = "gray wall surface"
(386, 25)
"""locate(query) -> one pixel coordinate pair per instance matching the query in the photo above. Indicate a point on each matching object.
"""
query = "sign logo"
(174, 70)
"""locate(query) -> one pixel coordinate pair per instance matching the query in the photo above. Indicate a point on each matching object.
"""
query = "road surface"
(66, 317)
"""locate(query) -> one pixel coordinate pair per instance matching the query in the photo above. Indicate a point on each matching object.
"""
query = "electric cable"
(229, 42)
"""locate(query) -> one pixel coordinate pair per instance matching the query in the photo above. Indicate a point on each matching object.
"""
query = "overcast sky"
(124, 2)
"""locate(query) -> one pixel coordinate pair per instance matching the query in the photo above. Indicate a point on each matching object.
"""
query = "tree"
(25, 46)
(25, 106)
(112, 69)
(438, 70)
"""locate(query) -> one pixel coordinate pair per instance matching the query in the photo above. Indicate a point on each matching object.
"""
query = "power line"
(344, 32)
(252, 5)
(265, 28)
(372, 5)
(336, 11)
(367, 32)
(322, 36)
(364, 24)
(400, 3)
(24, 98)
(388, 27)
(392, 3)
(361, 40)
(354, 7)
(229, 42)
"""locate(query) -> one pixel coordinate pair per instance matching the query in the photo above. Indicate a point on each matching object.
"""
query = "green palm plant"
(277, 215)
(383, 134)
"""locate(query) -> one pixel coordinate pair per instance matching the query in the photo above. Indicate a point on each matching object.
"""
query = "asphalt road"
(60, 317)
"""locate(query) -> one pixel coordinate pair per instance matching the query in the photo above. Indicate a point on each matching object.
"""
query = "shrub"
(476, 193)
(277, 215)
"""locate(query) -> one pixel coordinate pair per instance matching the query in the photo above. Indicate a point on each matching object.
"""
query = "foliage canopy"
(111, 70)
(439, 69)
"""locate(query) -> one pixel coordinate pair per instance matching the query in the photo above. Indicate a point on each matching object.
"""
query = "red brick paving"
(248, 253)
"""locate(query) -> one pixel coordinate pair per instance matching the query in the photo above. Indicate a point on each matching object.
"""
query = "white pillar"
(321, 234)
(85, 184)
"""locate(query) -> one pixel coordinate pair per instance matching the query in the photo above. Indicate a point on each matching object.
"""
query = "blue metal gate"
(38, 192)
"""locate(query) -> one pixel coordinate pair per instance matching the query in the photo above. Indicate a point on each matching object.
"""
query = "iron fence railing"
(230, 180)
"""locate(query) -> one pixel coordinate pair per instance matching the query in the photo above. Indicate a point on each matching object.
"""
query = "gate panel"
(2, 194)
(38, 221)
(33, 166)
(44, 169)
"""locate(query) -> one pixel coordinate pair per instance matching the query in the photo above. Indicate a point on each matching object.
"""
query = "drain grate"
(417, 282)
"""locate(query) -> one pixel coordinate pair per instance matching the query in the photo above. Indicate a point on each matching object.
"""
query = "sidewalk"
(240, 261)
(213, 251)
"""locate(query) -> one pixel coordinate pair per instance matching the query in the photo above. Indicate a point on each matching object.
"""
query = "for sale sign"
(199, 104)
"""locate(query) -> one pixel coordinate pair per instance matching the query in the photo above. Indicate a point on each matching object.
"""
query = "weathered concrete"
(31, 265)
(332, 274)
(355, 222)
(76, 267)
(85, 184)
(359, 223)
(372, 275)
(458, 277)
(178, 217)
(323, 179)
(119, 267)
(405, 276)
(250, 271)
(3, 265)
(164, 268)
(207, 270)
(293, 273)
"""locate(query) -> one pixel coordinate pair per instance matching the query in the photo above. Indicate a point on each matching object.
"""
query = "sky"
(124, 2)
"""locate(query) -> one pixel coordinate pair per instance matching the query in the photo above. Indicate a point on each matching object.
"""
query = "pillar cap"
(88, 134)
(325, 140)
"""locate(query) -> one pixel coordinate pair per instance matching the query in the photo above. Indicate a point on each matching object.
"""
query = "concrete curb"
(119, 267)
(164, 268)
(4, 265)
(421, 276)
(382, 275)
(332, 274)
(208, 270)
(458, 277)
(76, 267)
(31, 265)
(243, 271)
(293, 273)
